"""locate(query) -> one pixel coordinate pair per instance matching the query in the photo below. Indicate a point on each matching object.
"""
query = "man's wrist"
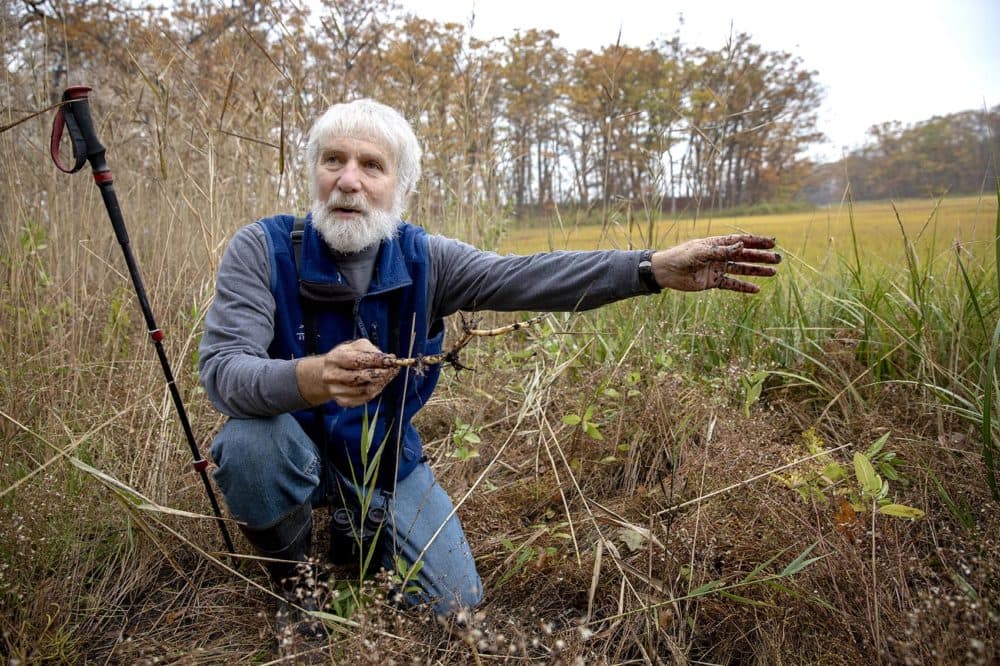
(308, 377)
(646, 272)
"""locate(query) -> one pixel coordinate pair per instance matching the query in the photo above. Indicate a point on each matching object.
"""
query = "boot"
(292, 574)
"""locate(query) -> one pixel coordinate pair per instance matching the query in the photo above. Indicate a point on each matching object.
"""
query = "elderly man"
(307, 317)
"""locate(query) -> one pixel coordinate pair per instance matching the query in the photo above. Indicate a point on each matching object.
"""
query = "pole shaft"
(106, 186)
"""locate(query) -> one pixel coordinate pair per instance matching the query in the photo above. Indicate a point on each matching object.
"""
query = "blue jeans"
(267, 467)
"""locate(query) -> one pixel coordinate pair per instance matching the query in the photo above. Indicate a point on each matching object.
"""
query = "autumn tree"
(752, 113)
(514, 122)
(956, 153)
(531, 80)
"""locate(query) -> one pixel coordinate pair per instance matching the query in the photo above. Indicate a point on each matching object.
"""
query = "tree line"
(510, 124)
(952, 154)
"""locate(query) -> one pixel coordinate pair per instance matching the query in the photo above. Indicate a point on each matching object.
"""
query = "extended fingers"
(749, 269)
(754, 256)
(746, 240)
(732, 284)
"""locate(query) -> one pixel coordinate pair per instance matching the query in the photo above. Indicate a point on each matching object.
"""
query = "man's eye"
(373, 165)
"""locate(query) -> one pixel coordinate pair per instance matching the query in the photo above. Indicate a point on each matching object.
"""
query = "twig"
(468, 333)
(34, 114)
(750, 480)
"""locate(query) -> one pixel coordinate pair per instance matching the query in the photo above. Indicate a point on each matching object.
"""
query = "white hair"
(369, 120)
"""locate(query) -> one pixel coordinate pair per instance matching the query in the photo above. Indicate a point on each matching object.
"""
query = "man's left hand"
(709, 263)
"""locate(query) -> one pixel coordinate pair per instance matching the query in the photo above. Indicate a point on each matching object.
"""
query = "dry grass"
(611, 569)
(584, 553)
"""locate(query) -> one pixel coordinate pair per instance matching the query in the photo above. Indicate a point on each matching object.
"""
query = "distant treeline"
(955, 154)
(514, 123)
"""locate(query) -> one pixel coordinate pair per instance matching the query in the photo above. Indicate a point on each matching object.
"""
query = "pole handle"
(74, 114)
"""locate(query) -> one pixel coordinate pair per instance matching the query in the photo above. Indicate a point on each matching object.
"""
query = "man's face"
(360, 174)
(356, 204)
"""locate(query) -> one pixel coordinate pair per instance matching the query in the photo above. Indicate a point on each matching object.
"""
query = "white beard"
(353, 235)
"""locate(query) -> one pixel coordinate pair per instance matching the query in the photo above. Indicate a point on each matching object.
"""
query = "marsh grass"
(665, 536)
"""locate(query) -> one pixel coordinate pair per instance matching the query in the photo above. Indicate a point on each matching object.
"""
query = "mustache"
(351, 201)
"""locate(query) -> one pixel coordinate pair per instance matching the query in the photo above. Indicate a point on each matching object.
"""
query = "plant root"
(451, 357)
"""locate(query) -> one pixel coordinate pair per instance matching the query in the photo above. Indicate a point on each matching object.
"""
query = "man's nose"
(350, 178)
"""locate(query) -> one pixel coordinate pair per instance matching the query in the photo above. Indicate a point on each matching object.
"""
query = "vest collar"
(319, 270)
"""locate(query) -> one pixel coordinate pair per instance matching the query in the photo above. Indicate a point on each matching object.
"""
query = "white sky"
(877, 60)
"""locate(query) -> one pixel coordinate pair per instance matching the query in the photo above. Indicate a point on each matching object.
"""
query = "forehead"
(359, 145)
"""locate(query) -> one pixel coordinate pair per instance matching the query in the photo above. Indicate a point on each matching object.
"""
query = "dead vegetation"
(584, 556)
(637, 484)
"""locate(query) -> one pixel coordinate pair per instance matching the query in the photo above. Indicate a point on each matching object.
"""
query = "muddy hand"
(350, 374)
(709, 263)
(357, 371)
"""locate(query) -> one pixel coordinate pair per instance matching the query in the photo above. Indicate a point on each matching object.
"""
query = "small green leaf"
(834, 472)
(571, 419)
(874, 449)
(868, 478)
(592, 430)
(889, 472)
(901, 511)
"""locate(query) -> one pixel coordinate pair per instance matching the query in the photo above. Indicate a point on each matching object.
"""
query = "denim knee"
(425, 527)
(265, 468)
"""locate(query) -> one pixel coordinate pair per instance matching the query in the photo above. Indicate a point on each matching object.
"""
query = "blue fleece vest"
(392, 315)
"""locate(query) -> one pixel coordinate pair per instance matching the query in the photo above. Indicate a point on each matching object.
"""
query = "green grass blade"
(987, 421)
(996, 240)
(801, 562)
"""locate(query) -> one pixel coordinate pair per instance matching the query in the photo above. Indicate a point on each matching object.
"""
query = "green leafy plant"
(585, 422)
(466, 439)
(752, 388)
(406, 574)
(813, 481)
(873, 470)
(886, 462)
(875, 490)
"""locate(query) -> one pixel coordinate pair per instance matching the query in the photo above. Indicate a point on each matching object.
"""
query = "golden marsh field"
(813, 236)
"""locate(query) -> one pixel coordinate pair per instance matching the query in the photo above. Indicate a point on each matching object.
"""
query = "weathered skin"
(705, 262)
(351, 373)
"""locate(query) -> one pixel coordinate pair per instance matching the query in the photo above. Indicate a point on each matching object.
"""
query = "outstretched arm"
(709, 263)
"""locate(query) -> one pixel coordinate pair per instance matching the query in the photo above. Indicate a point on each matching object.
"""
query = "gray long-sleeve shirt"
(242, 381)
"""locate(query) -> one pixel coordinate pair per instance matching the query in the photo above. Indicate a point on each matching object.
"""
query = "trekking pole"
(75, 114)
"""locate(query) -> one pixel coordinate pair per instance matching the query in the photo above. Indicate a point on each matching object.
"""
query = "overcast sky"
(877, 60)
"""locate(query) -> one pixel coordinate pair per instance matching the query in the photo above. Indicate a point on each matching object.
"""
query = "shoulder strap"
(298, 231)
(308, 313)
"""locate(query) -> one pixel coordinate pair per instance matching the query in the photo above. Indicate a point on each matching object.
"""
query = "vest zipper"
(359, 325)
